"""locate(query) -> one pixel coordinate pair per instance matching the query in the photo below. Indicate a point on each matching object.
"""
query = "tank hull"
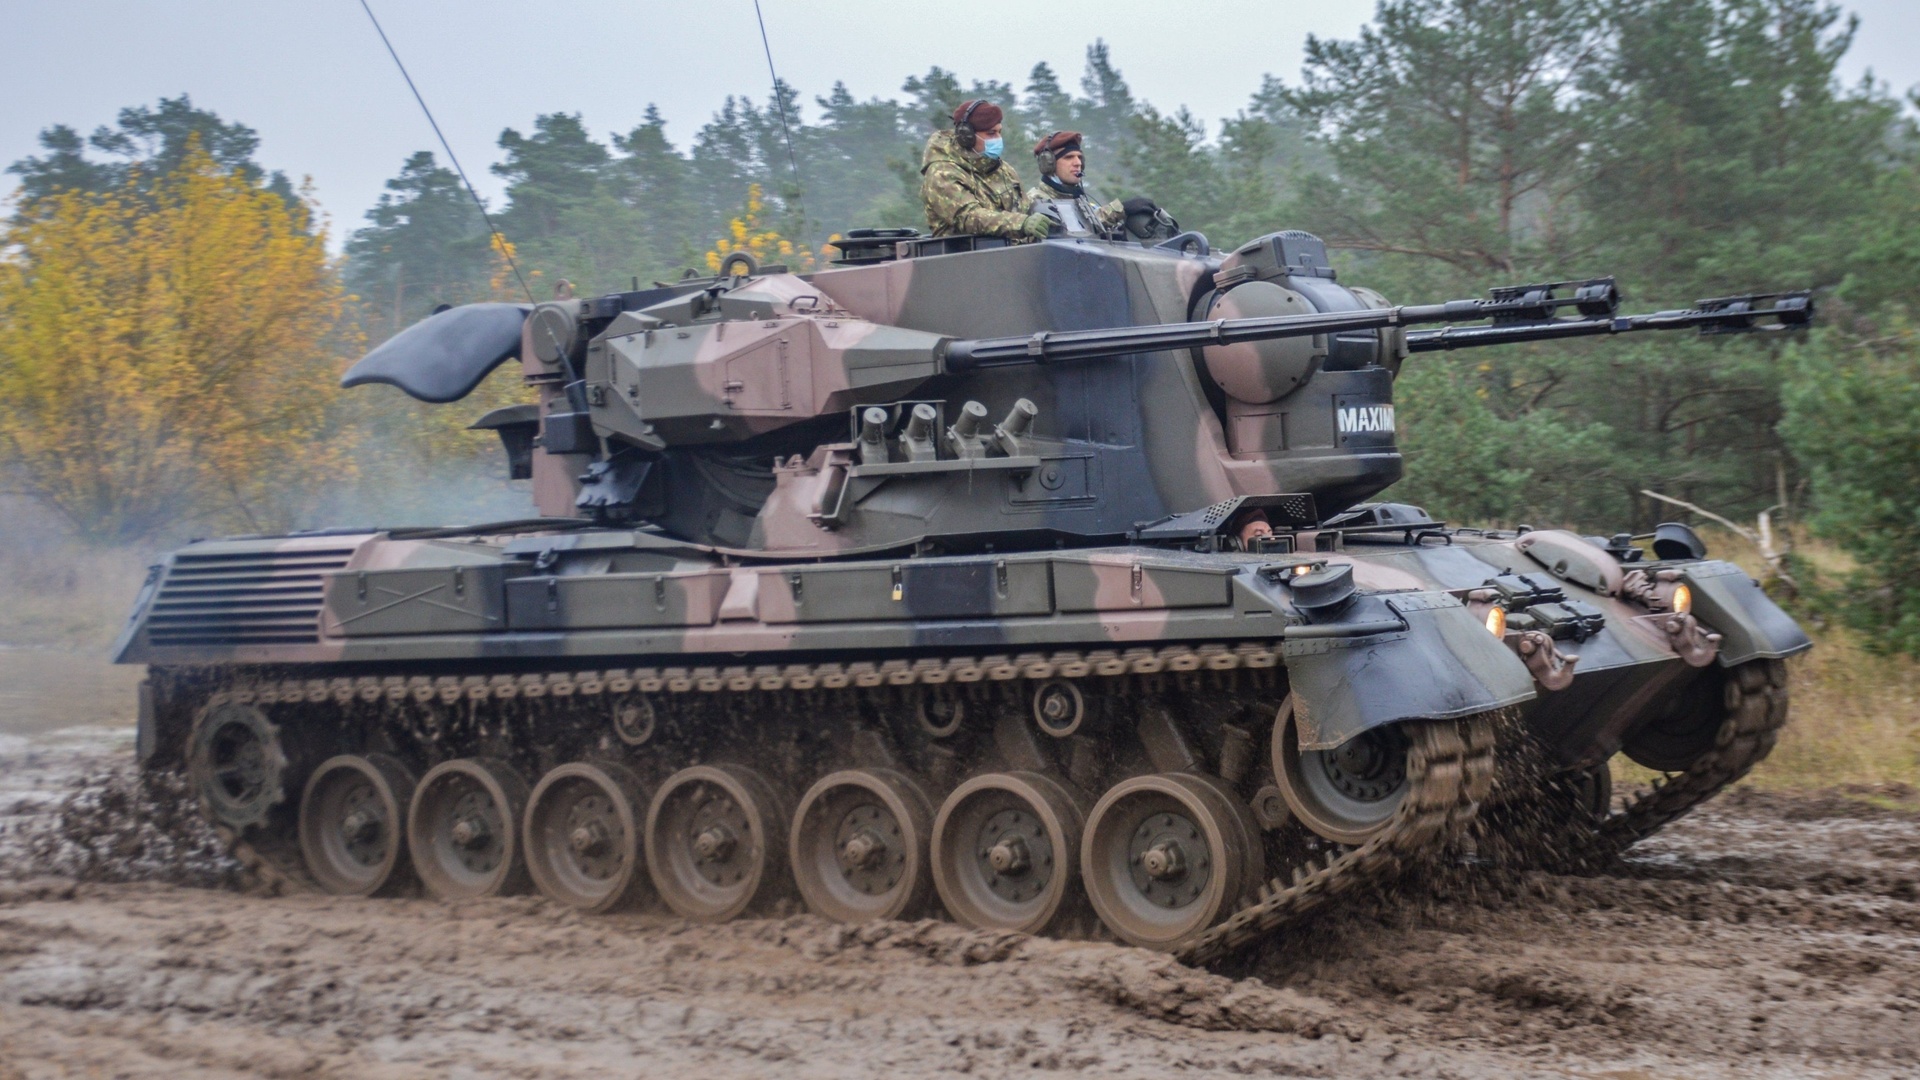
(1135, 680)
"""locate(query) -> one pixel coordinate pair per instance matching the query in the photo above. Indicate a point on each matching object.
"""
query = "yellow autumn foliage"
(169, 357)
(749, 234)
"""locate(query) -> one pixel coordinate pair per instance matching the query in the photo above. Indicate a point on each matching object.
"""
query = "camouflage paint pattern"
(608, 597)
(987, 542)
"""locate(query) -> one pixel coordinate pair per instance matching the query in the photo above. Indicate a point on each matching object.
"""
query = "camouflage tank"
(1036, 585)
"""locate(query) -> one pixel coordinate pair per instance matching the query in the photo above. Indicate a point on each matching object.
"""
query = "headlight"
(1497, 622)
(1682, 599)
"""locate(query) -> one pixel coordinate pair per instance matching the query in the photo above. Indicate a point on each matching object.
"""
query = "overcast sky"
(313, 80)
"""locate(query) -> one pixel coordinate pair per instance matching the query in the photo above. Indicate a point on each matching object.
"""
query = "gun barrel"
(1520, 313)
(1592, 298)
(1047, 347)
(1726, 315)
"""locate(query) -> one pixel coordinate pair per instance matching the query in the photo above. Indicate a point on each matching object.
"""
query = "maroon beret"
(985, 114)
(1058, 143)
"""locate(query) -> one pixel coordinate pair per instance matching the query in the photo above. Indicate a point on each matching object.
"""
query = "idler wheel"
(859, 846)
(463, 829)
(1006, 851)
(1688, 728)
(352, 827)
(1164, 858)
(1346, 794)
(582, 836)
(237, 764)
(714, 835)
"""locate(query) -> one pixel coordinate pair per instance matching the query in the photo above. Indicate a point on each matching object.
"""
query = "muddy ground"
(1767, 936)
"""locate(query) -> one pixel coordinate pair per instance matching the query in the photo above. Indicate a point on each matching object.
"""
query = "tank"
(1037, 586)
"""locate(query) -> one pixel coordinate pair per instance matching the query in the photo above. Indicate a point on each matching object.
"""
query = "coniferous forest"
(1694, 148)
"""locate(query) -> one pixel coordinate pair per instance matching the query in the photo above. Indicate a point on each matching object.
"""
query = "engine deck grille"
(269, 597)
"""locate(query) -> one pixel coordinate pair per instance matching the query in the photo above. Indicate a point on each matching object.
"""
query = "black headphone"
(1047, 157)
(962, 129)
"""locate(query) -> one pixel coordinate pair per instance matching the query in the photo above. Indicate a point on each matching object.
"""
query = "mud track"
(1764, 936)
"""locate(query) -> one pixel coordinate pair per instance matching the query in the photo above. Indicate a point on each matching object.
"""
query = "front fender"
(1751, 626)
(1441, 664)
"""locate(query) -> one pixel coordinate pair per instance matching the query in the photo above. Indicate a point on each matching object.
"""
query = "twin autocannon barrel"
(1524, 313)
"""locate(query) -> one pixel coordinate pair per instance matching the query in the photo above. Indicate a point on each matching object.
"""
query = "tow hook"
(1551, 668)
(1692, 642)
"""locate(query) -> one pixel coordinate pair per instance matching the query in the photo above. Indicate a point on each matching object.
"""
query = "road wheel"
(463, 829)
(1163, 859)
(859, 846)
(1006, 851)
(353, 818)
(582, 837)
(714, 841)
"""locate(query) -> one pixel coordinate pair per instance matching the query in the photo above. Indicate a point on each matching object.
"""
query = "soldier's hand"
(1139, 204)
(1037, 226)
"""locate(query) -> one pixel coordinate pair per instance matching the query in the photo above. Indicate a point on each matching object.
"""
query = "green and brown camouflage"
(967, 193)
(898, 517)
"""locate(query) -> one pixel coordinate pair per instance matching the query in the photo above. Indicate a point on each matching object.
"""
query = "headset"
(963, 128)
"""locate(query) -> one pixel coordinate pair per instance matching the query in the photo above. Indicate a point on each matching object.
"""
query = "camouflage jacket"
(967, 192)
(1107, 217)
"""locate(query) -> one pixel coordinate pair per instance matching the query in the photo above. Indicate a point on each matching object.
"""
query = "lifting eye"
(1497, 622)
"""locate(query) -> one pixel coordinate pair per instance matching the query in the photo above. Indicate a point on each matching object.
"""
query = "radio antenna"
(780, 102)
(498, 239)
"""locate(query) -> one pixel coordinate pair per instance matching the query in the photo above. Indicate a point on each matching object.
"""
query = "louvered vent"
(270, 597)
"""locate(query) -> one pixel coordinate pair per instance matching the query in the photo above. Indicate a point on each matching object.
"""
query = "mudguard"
(1443, 664)
(443, 357)
(1751, 626)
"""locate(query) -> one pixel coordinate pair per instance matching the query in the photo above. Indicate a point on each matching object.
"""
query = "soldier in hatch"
(1063, 165)
(1062, 162)
(967, 187)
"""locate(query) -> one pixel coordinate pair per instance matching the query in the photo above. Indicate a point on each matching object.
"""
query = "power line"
(444, 145)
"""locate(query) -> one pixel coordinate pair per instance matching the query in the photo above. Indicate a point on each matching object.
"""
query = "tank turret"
(776, 412)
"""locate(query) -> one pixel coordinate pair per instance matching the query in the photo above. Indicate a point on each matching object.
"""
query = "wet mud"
(1766, 935)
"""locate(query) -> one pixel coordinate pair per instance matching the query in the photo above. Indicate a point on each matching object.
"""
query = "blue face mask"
(994, 147)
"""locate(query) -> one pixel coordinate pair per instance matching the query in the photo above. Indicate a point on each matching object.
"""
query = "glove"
(1139, 204)
(1037, 226)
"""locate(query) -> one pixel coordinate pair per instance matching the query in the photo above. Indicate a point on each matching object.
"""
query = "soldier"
(966, 186)
(1063, 164)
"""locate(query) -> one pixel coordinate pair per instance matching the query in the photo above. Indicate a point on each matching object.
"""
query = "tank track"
(271, 863)
(1756, 701)
(1450, 763)
(1542, 826)
(1451, 767)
